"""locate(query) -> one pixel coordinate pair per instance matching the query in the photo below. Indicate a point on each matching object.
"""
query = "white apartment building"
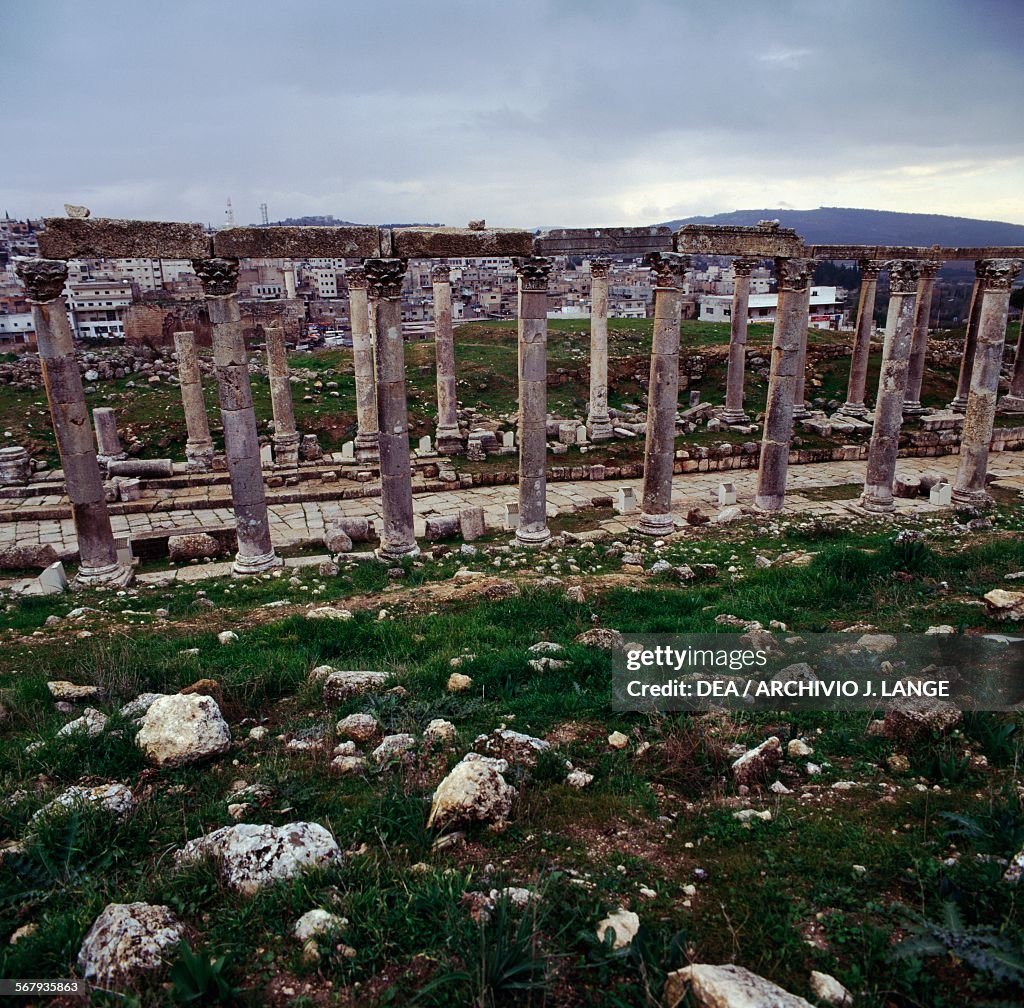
(16, 328)
(827, 307)
(96, 308)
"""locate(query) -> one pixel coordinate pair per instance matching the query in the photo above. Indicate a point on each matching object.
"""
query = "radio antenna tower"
(264, 216)
(229, 213)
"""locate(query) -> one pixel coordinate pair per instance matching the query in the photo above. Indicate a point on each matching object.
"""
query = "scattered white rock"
(316, 923)
(578, 779)
(601, 637)
(392, 747)
(617, 740)
(439, 730)
(69, 692)
(514, 747)
(329, 612)
(747, 814)
(828, 989)
(459, 683)
(183, 728)
(726, 986)
(624, 925)
(113, 798)
(474, 791)
(340, 685)
(544, 647)
(136, 709)
(91, 723)
(797, 748)
(779, 788)
(249, 856)
(227, 637)
(756, 764)
(127, 940)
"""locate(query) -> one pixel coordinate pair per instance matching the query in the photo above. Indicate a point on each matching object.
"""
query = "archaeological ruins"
(381, 461)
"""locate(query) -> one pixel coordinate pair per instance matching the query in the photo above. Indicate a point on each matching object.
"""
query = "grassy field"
(486, 368)
(893, 886)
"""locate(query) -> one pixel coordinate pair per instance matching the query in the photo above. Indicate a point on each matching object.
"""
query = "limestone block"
(126, 941)
(183, 728)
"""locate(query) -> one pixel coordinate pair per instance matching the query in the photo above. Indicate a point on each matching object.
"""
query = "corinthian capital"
(219, 276)
(534, 272)
(930, 268)
(669, 267)
(997, 274)
(44, 279)
(870, 268)
(903, 276)
(441, 273)
(385, 276)
(599, 268)
(355, 277)
(794, 274)
(743, 266)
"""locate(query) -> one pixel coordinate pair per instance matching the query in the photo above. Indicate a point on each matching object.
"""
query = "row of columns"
(380, 382)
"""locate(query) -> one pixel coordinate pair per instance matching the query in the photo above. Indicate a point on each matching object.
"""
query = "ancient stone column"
(996, 277)
(448, 439)
(366, 446)
(599, 422)
(863, 330)
(1013, 401)
(800, 409)
(963, 385)
(286, 437)
(662, 394)
(788, 339)
(397, 539)
(219, 277)
(108, 441)
(892, 387)
(98, 564)
(733, 413)
(919, 348)
(533, 399)
(199, 446)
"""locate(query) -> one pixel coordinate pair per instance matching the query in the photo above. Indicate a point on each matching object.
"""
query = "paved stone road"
(292, 523)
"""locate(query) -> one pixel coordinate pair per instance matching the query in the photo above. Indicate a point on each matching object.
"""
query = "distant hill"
(847, 226)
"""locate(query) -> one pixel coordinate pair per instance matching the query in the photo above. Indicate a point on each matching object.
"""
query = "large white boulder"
(183, 728)
(474, 791)
(727, 986)
(249, 856)
(126, 940)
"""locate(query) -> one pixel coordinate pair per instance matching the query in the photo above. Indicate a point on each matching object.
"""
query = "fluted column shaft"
(286, 437)
(219, 277)
(366, 444)
(448, 436)
(863, 330)
(800, 409)
(199, 446)
(599, 421)
(98, 564)
(533, 272)
(963, 385)
(996, 277)
(733, 413)
(892, 387)
(398, 539)
(919, 347)
(662, 395)
(788, 339)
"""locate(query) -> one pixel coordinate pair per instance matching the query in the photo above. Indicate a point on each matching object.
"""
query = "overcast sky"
(525, 112)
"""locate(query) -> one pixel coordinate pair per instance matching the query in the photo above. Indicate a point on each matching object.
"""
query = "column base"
(600, 428)
(367, 448)
(115, 575)
(800, 411)
(286, 451)
(914, 409)
(655, 525)
(856, 410)
(199, 456)
(245, 566)
(959, 404)
(388, 553)
(733, 417)
(876, 505)
(448, 441)
(769, 502)
(532, 537)
(971, 499)
(1011, 404)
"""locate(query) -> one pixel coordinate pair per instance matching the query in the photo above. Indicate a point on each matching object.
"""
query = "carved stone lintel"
(870, 268)
(903, 276)
(219, 276)
(997, 274)
(669, 267)
(599, 267)
(794, 274)
(385, 276)
(44, 279)
(441, 273)
(355, 277)
(534, 271)
(743, 265)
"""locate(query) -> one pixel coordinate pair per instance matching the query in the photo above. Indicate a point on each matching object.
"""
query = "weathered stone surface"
(630, 241)
(441, 243)
(338, 242)
(136, 709)
(917, 716)
(726, 986)
(624, 925)
(183, 728)
(249, 857)
(106, 238)
(601, 637)
(392, 746)
(113, 798)
(474, 791)
(315, 923)
(27, 555)
(1005, 605)
(828, 989)
(360, 727)
(193, 546)
(341, 684)
(512, 746)
(439, 730)
(91, 723)
(756, 764)
(459, 683)
(68, 692)
(126, 941)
